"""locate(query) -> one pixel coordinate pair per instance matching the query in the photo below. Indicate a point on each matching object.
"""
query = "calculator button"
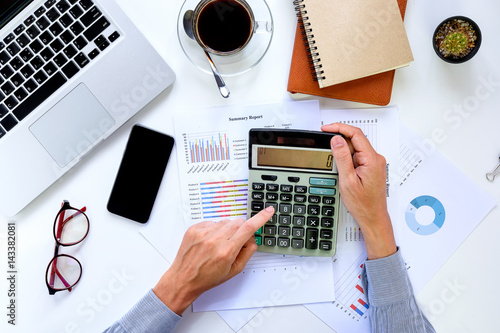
(257, 186)
(313, 210)
(322, 191)
(300, 198)
(326, 222)
(325, 245)
(257, 205)
(314, 199)
(299, 209)
(273, 219)
(271, 178)
(285, 208)
(283, 242)
(300, 189)
(328, 200)
(327, 211)
(297, 243)
(326, 233)
(269, 241)
(270, 229)
(299, 220)
(305, 207)
(285, 231)
(311, 238)
(322, 181)
(272, 204)
(298, 232)
(272, 187)
(258, 195)
(285, 219)
(272, 196)
(313, 221)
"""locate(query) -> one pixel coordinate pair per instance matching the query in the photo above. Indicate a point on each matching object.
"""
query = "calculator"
(294, 171)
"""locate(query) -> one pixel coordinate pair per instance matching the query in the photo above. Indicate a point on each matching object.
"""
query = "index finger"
(251, 225)
(355, 135)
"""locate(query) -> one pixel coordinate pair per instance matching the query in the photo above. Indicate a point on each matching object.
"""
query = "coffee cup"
(223, 27)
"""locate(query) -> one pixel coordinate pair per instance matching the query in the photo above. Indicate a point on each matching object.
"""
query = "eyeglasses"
(71, 226)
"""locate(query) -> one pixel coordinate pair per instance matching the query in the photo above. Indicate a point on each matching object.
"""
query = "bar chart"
(224, 199)
(350, 292)
(208, 147)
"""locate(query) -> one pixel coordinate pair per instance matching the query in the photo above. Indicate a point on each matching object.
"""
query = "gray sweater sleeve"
(149, 315)
(393, 307)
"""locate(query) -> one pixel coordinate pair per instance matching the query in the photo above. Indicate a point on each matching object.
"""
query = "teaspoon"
(188, 27)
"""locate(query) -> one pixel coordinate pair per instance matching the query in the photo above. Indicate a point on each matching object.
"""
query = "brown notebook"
(375, 89)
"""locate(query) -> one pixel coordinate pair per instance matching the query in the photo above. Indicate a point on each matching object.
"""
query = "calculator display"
(298, 158)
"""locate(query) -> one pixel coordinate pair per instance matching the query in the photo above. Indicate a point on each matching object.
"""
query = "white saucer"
(230, 65)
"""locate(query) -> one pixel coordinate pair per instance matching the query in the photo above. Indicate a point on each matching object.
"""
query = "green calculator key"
(322, 181)
(294, 172)
(322, 191)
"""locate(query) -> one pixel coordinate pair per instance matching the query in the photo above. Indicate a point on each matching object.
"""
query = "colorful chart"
(411, 215)
(224, 199)
(350, 295)
(209, 148)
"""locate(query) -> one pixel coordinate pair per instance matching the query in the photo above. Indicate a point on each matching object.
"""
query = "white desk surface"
(120, 265)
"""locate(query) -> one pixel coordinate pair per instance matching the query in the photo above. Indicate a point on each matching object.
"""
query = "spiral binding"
(309, 42)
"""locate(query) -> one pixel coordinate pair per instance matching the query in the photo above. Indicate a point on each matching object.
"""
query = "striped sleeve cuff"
(378, 272)
(149, 315)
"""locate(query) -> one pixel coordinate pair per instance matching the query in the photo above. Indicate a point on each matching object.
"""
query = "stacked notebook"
(348, 49)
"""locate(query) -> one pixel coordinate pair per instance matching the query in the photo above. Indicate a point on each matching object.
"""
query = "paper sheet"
(439, 207)
(431, 222)
(350, 311)
(213, 174)
(213, 157)
(272, 280)
(380, 126)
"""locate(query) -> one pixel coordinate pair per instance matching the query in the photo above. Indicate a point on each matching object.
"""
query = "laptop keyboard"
(50, 47)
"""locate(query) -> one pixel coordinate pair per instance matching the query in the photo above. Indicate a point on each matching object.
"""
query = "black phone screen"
(140, 174)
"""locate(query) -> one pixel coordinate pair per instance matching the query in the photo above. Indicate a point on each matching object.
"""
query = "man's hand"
(362, 183)
(210, 254)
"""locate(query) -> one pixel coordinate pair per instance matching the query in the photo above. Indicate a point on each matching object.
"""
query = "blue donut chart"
(439, 215)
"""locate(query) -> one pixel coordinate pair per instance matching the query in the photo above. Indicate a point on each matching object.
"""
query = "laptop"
(71, 73)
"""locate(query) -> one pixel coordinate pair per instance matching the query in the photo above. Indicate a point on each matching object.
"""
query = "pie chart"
(412, 220)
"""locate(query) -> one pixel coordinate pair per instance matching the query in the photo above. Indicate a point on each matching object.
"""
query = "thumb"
(243, 257)
(342, 156)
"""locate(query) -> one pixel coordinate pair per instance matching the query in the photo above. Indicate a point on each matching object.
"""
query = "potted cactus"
(456, 39)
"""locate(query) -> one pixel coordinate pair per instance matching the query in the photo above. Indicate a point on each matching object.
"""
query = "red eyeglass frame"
(57, 231)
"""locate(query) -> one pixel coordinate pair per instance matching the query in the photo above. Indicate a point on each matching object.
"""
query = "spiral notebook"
(352, 39)
(375, 89)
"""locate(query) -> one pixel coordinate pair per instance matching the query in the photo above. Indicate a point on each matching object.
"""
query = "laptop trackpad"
(72, 125)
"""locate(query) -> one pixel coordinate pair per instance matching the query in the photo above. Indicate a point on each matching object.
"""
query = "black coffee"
(224, 25)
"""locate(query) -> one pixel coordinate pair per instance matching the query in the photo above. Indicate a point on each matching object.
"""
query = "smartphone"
(140, 173)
